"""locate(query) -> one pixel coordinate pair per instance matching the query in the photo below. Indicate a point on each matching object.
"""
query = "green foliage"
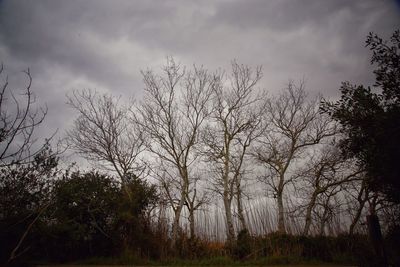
(25, 193)
(286, 248)
(92, 215)
(24, 188)
(243, 246)
(283, 249)
(320, 247)
(387, 58)
(279, 244)
(392, 241)
(370, 118)
(85, 210)
(133, 225)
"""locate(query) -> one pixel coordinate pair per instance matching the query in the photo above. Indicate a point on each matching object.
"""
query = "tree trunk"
(356, 218)
(281, 213)
(242, 220)
(191, 224)
(175, 224)
(361, 201)
(228, 193)
(310, 207)
(375, 235)
(322, 224)
(230, 230)
(184, 189)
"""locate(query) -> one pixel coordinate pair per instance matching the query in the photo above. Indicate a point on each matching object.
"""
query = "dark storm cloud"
(65, 33)
(104, 44)
(309, 32)
(286, 15)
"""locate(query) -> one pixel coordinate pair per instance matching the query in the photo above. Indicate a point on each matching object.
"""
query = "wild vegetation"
(207, 168)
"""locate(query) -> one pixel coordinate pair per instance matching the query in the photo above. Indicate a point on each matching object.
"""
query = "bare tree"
(326, 207)
(295, 124)
(195, 197)
(18, 121)
(361, 200)
(175, 106)
(104, 134)
(195, 200)
(234, 124)
(25, 166)
(357, 197)
(325, 170)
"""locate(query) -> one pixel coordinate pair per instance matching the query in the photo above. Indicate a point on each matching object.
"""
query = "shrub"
(243, 247)
(93, 216)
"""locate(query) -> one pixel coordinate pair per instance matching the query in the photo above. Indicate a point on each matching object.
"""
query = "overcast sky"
(103, 45)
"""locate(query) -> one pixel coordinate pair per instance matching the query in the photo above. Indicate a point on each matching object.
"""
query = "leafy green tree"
(85, 212)
(133, 221)
(25, 194)
(94, 216)
(370, 118)
(27, 168)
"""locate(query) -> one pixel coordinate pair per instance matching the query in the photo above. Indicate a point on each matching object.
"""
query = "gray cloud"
(103, 44)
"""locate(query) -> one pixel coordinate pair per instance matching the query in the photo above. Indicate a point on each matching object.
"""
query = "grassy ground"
(222, 263)
(273, 261)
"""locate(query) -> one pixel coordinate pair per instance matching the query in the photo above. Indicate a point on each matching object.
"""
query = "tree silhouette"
(370, 118)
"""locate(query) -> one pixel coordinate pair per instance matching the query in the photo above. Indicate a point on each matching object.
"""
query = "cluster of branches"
(217, 135)
(206, 136)
(25, 163)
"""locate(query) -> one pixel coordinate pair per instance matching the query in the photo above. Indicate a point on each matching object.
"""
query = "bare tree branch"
(174, 107)
(104, 133)
(295, 124)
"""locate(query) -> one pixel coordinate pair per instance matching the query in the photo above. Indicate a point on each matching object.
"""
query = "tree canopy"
(370, 118)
